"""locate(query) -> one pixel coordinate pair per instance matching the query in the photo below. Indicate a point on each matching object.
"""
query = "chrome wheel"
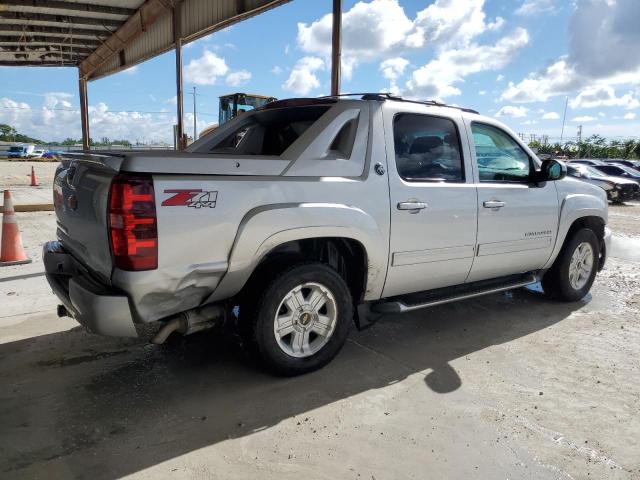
(581, 265)
(305, 320)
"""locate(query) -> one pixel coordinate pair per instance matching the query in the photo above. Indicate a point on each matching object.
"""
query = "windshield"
(593, 172)
(16, 149)
(629, 170)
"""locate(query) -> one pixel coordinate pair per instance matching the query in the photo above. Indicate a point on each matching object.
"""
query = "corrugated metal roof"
(104, 36)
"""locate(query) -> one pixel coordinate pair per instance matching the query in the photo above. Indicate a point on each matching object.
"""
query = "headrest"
(425, 144)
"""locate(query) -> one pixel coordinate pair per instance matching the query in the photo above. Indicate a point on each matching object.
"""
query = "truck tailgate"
(81, 193)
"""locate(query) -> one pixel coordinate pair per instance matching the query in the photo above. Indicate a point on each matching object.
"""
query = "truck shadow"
(81, 406)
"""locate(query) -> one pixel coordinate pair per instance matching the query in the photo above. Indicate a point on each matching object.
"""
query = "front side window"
(499, 157)
(427, 148)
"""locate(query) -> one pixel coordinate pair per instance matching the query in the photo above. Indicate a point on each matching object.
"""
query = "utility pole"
(564, 116)
(195, 133)
(579, 140)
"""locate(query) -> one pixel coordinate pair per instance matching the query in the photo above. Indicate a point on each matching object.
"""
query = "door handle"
(413, 207)
(493, 204)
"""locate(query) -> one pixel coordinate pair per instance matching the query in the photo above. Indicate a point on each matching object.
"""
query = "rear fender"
(265, 228)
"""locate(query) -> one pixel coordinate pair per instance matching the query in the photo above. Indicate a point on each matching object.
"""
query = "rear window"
(269, 132)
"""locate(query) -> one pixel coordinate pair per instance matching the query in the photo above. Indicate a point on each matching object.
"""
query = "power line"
(76, 110)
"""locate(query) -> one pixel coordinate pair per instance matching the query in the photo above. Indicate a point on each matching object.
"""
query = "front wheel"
(572, 274)
(301, 320)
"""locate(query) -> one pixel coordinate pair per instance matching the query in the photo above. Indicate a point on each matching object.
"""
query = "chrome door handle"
(493, 204)
(413, 207)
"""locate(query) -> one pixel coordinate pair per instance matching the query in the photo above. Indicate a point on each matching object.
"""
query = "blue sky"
(518, 61)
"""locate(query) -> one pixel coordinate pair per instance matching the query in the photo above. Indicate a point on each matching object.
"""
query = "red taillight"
(132, 223)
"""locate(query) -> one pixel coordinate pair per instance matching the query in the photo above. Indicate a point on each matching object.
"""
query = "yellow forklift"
(234, 104)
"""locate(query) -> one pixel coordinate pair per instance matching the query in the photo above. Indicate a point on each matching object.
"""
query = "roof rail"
(382, 96)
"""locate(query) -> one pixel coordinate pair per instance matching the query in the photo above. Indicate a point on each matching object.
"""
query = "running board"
(431, 298)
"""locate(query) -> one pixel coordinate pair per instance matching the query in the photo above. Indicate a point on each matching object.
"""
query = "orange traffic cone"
(11, 251)
(34, 182)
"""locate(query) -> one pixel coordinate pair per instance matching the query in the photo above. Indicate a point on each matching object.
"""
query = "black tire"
(556, 283)
(257, 319)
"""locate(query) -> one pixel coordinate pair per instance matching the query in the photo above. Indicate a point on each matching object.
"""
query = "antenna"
(564, 116)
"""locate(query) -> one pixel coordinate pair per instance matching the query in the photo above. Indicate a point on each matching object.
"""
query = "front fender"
(265, 228)
(573, 207)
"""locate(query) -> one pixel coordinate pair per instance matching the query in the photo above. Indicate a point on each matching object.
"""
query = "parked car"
(619, 171)
(20, 151)
(51, 153)
(618, 189)
(298, 218)
(587, 161)
(635, 164)
(36, 154)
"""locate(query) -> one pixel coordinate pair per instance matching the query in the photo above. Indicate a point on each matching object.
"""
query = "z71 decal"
(195, 198)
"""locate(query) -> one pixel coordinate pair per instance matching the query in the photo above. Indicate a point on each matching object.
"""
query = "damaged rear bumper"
(97, 307)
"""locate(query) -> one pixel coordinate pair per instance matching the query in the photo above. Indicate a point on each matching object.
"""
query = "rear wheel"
(301, 320)
(572, 275)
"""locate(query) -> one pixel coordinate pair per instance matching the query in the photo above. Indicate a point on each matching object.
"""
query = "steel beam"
(29, 18)
(149, 13)
(336, 47)
(177, 39)
(88, 8)
(42, 40)
(24, 30)
(37, 63)
(84, 112)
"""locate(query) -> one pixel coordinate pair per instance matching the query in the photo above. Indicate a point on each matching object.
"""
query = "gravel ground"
(505, 386)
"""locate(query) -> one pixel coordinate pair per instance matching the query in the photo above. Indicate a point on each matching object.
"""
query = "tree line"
(595, 146)
(10, 134)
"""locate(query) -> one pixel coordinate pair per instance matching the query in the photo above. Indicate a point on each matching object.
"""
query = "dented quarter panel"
(207, 253)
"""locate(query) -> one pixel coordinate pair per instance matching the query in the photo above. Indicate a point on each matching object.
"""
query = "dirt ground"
(507, 386)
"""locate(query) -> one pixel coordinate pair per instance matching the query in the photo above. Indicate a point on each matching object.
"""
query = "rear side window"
(499, 157)
(269, 132)
(427, 148)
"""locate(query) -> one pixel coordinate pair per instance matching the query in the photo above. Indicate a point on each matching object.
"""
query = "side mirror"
(552, 170)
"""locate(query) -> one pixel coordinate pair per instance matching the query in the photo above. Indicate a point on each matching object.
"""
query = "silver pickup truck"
(297, 219)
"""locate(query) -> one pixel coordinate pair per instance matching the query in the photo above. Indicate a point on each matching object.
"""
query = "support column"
(84, 113)
(177, 38)
(336, 47)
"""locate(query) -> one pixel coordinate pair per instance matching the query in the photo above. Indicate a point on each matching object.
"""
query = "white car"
(36, 154)
(297, 218)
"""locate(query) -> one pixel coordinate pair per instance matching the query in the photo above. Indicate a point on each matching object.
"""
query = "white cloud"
(603, 39)
(236, 79)
(380, 29)
(303, 77)
(551, 116)
(172, 100)
(437, 78)
(500, 77)
(584, 118)
(276, 70)
(533, 7)
(558, 78)
(629, 116)
(206, 69)
(482, 92)
(603, 96)
(392, 69)
(529, 122)
(57, 119)
(512, 111)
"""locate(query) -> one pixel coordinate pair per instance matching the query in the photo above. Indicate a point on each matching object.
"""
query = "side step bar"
(431, 298)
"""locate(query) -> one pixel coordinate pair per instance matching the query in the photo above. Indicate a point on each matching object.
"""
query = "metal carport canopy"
(102, 37)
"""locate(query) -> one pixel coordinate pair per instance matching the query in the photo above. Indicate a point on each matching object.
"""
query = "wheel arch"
(319, 230)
